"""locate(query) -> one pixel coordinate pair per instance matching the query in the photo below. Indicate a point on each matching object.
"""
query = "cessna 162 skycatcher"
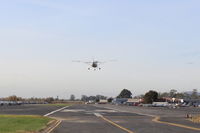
(93, 64)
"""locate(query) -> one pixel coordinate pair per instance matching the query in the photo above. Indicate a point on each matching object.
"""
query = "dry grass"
(196, 119)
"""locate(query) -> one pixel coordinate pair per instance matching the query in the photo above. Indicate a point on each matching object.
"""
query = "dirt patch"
(195, 119)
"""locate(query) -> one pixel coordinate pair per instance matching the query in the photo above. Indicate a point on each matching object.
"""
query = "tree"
(84, 98)
(180, 95)
(125, 94)
(72, 97)
(150, 96)
(97, 100)
(14, 98)
(186, 95)
(172, 93)
(110, 99)
(48, 99)
(93, 98)
(194, 94)
(101, 97)
(164, 94)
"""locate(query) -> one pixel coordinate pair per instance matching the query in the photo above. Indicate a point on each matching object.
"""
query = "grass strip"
(22, 123)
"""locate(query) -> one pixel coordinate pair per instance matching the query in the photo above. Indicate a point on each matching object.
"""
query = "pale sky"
(156, 45)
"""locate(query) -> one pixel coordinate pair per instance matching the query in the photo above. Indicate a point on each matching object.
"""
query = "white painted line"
(55, 111)
(73, 110)
(128, 111)
(98, 115)
(108, 111)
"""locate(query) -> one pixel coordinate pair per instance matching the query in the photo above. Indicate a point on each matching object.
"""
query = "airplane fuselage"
(95, 64)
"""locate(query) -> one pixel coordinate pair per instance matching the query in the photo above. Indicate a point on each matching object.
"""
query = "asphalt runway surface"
(27, 109)
(108, 118)
(100, 118)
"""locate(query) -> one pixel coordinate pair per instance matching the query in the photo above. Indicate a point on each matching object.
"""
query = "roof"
(102, 100)
(130, 100)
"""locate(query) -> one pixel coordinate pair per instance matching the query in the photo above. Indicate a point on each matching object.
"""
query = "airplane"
(93, 64)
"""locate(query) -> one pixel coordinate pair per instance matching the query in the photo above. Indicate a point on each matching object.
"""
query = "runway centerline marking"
(55, 111)
(113, 123)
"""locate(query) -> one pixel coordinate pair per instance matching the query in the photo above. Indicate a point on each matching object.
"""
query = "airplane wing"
(87, 62)
(76, 61)
(102, 62)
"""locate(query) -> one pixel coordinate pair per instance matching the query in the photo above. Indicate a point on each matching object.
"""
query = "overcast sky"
(156, 45)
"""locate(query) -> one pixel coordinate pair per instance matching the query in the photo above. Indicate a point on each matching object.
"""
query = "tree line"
(148, 97)
(33, 99)
(154, 96)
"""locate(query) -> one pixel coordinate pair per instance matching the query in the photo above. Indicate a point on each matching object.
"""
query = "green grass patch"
(22, 123)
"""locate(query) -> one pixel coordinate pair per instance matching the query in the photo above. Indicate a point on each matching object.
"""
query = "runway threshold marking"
(55, 111)
(113, 123)
(129, 111)
(157, 119)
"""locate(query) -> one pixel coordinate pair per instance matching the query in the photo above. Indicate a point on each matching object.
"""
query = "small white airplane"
(93, 64)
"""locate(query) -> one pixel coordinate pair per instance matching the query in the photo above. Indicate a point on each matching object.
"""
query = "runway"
(108, 118)
(28, 109)
(98, 119)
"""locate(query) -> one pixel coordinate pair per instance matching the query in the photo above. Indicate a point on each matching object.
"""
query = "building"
(119, 101)
(102, 101)
(133, 102)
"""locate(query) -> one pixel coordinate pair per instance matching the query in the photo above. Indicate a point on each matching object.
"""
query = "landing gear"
(94, 69)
